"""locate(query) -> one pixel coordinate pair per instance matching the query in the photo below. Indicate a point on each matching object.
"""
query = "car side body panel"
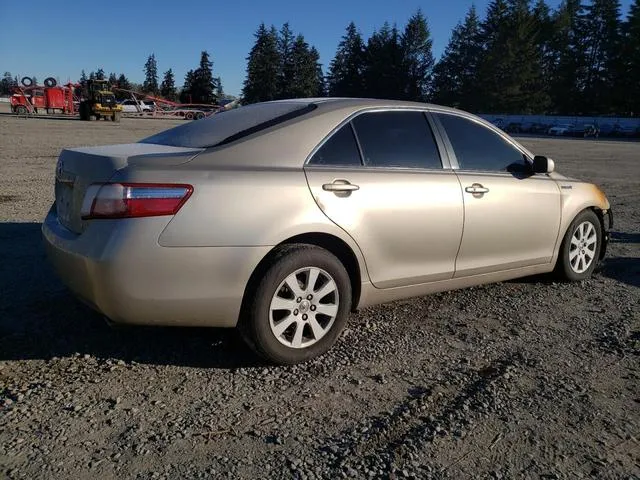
(515, 224)
(408, 221)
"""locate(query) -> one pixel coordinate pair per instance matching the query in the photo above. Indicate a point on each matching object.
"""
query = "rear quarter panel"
(241, 207)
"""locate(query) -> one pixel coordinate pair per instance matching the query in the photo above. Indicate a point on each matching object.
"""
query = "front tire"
(299, 307)
(580, 249)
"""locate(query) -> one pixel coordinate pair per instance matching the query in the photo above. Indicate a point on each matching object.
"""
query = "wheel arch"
(603, 229)
(329, 242)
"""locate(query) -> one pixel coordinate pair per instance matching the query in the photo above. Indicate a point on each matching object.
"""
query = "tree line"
(200, 86)
(522, 57)
(282, 65)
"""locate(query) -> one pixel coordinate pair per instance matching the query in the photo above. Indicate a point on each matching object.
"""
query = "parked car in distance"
(606, 129)
(513, 127)
(623, 131)
(563, 129)
(583, 130)
(131, 106)
(281, 218)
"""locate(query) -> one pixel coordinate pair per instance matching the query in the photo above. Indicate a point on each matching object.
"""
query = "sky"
(59, 39)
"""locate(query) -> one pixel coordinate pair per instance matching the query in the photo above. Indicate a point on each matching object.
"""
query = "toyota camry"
(281, 218)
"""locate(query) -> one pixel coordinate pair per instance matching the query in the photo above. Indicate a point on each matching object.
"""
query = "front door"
(512, 217)
(380, 178)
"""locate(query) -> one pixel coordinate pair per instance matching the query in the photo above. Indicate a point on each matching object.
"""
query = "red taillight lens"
(132, 200)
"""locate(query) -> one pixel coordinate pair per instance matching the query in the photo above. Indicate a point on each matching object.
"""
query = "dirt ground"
(524, 379)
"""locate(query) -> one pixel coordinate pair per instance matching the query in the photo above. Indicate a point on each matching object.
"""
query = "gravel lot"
(525, 379)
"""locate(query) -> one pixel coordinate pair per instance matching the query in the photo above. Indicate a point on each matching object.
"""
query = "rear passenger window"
(340, 149)
(397, 139)
(479, 148)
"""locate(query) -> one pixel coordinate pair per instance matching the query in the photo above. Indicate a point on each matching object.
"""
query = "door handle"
(476, 189)
(340, 186)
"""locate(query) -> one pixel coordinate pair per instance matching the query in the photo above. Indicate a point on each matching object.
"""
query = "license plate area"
(64, 198)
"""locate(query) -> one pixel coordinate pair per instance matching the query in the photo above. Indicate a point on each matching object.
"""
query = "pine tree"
(186, 92)
(321, 84)
(113, 79)
(510, 77)
(600, 34)
(629, 76)
(565, 54)
(122, 83)
(262, 81)
(100, 74)
(345, 78)
(202, 85)
(286, 41)
(304, 82)
(219, 90)
(383, 61)
(168, 86)
(455, 75)
(150, 84)
(6, 84)
(83, 78)
(417, 58)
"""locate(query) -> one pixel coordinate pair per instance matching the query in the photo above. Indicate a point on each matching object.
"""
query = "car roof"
(336, 103)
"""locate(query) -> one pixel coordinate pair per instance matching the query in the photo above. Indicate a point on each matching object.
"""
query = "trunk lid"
(77, 168)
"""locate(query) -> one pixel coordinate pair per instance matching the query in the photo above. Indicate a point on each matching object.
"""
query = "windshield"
(231, 125)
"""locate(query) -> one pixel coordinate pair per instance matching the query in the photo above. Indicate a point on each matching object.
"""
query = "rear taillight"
(132, 200)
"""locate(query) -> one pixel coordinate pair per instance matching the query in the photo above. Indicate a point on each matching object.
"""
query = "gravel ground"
(524, 379)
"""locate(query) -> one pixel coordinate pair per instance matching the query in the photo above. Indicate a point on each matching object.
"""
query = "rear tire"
(297, 309)
(580, 249)
(21, 110)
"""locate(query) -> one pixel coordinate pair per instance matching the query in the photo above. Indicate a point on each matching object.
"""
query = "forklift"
(100, 102)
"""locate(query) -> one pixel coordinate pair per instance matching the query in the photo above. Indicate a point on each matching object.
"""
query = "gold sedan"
(280, 218)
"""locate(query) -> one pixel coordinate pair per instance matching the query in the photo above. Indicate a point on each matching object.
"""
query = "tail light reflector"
(133, 200)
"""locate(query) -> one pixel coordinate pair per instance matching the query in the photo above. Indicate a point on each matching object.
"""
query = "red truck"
(49, 98)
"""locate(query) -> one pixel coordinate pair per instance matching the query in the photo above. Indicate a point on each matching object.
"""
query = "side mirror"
(542, 164)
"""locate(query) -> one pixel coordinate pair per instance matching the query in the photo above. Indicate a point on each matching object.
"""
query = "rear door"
(381, 178)
(512, 217)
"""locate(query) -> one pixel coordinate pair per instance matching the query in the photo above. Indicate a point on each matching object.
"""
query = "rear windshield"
(229, 126)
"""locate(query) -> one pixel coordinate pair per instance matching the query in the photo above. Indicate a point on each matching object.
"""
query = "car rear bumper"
(118, 268)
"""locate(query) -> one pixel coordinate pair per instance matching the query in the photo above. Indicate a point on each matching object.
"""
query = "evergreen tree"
(202, 85)
(168, 86)
(511, 72)
(629, 77)
(100, 74)
(113, 79)
(305, 62)
(321, 84)
(383, 61)
(6, 84)
(345, 78)
(122, 83)
(566, 54)
(219, 90)
(150, 84)
(600, 34)
(455, 75)
(286, 41)
(83, 79)
(417, 58)
(186, 92)
(263, 67)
